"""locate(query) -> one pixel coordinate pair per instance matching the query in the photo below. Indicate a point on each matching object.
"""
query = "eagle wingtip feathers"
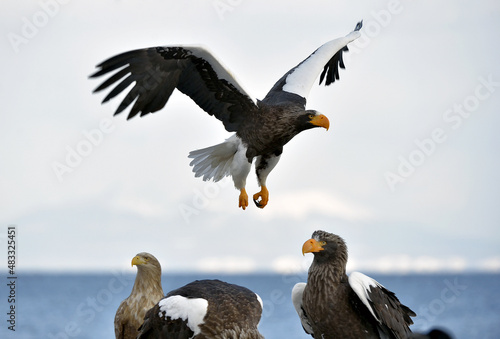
(358, 25)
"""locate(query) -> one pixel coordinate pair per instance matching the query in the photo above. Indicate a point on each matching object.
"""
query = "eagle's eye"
(322, 243)
(311, 116)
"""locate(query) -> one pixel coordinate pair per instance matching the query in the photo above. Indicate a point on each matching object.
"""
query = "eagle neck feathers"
(148, 280)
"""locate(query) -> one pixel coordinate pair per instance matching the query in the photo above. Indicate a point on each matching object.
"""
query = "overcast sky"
(407, 173)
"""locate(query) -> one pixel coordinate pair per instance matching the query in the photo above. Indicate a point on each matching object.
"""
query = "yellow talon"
(264, 197)
(243, 200)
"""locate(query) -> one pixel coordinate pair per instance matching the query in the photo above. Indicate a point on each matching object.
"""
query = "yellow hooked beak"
(320, 120)
(137, 260)
(310, 246)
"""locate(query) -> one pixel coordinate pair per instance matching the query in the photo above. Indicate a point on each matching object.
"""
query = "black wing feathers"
(331, 69)
(229, 306)
(154, 83)
(159, 327)
(157, 71)
(390, 312)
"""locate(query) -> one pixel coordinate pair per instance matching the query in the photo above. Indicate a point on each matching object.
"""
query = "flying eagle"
(145, 294)
(262, 128)
(333, 305)
(208, 309)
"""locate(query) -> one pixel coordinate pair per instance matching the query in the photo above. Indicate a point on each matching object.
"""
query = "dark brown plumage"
(333, 305)
(262, 128)
(205, 309)
(147, 291)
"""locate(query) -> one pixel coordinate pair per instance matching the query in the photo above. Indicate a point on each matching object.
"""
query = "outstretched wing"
(297, 292)
(295, 85)
(157, 71)
(392, 316)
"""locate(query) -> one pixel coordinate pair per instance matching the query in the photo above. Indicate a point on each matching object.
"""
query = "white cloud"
(291, 264)
(403, 263)
(491, 264)
(394, 264)
(146, 208)
(138, 176)
(228, 264)
(301, 204)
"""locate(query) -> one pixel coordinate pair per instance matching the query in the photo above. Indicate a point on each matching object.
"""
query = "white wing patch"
(260, 301)
(297, 293)
(302, 78)
(192, 310)
(361, 283)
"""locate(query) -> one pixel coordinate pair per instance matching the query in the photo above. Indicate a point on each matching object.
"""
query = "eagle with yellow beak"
(147, 291)
(334, 305)
(261, 128)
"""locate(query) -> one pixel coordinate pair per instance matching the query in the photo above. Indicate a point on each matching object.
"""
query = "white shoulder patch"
(361, 283)
(260, 300)
(297, 293)
(192, 310)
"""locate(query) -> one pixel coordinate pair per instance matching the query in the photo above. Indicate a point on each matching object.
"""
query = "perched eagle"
(208, 309)
(261, 129)
(145, 294)
(333, 305)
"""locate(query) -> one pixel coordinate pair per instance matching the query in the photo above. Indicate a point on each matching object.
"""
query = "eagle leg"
(243, 199)
(263, 195)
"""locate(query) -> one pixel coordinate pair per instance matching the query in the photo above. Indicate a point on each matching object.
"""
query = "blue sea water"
(83, 305)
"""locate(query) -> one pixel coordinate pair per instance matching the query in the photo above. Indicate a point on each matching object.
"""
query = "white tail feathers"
(214, 162)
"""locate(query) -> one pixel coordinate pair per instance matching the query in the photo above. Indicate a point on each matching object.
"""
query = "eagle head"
(326, 247)
(310, 119)
(146, 262)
